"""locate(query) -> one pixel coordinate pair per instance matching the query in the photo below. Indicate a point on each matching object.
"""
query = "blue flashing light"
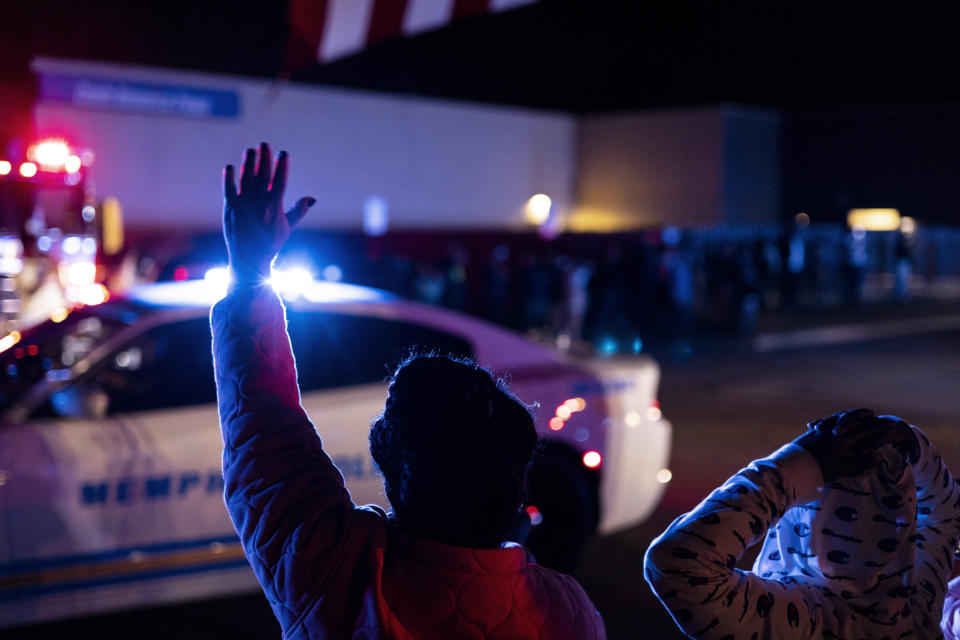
(637, 345)
(213, 287)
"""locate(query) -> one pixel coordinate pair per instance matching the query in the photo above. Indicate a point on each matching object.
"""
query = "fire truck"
(56, 237)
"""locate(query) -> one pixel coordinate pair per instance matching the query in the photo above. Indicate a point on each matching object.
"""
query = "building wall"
(684, 167)
(438, 163)
(649, 169)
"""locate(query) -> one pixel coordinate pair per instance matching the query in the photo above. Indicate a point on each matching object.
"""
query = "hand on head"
(846, 443)
(255, 226)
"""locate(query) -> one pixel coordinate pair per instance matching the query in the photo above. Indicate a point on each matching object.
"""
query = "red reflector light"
(535, 516)
(592, 459)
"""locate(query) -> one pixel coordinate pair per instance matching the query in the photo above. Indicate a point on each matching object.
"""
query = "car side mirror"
(84, 400)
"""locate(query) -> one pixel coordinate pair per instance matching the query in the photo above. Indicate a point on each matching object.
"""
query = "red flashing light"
(556, 423)
(28, 169)
(33, 350)
(180, 274)
(5, 167)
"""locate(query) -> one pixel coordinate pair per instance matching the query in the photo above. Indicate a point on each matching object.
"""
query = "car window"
(334, 350)
(165, 367)
(47, 351)
(171, 365)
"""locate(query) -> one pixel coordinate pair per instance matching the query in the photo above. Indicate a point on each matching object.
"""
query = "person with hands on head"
(858, 519)
(453, 445)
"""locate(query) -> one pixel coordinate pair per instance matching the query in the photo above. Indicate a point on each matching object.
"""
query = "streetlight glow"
(538, 208)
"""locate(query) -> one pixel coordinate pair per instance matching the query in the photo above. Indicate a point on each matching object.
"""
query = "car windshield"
(47, 351)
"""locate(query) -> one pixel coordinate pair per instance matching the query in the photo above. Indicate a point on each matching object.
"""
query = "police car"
(110, 485)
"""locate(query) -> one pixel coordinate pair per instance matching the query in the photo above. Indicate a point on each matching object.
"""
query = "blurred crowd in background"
(618, 292)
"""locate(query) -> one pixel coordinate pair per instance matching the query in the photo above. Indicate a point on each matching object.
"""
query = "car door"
(131, 497)
(162, 475)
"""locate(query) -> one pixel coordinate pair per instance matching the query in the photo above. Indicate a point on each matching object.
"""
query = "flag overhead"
(324, 30)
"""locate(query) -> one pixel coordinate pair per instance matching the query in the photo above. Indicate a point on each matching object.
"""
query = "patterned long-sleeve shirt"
(862, 558)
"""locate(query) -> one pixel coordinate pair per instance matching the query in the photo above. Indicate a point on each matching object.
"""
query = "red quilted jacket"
(331, 569)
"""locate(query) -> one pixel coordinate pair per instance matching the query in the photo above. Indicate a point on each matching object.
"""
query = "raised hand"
(255, 226)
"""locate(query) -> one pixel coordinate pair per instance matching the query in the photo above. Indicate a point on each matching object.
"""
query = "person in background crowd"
(452, 443)
(793, 261)
(854, 265)
(859, 519)
(903, 266)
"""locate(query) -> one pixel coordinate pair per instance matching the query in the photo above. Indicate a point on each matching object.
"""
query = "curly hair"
(454, 445)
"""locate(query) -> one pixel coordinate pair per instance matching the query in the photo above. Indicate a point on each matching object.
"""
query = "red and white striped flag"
(325, 30)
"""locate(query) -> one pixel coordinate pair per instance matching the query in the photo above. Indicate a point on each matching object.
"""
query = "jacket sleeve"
(286, 498)
(691, 566)
(938, 525)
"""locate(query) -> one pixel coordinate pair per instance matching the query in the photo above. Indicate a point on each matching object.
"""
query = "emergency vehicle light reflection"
(9, 340)
(592, 459)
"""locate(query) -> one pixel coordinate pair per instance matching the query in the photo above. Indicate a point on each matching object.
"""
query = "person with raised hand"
(858, 519)
(452, 443)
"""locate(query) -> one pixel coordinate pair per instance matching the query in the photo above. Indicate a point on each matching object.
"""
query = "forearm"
(691, 566)
(276, 473)
(938, 520)
(253, 363)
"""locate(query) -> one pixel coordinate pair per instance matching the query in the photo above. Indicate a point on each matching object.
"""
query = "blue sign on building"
(141, 97)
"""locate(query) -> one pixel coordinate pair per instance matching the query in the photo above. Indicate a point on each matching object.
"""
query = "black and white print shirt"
(863, 558)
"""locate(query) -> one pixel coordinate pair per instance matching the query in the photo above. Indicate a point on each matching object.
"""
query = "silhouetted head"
(453, 445)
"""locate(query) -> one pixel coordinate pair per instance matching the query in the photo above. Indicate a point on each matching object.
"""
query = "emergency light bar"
(48, 159)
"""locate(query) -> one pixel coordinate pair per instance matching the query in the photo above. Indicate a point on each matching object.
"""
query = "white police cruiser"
(110, 485)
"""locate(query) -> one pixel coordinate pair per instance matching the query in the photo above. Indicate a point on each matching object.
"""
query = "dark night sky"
(578, 56)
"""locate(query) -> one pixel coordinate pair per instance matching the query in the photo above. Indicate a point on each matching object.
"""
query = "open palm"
(255, 225)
